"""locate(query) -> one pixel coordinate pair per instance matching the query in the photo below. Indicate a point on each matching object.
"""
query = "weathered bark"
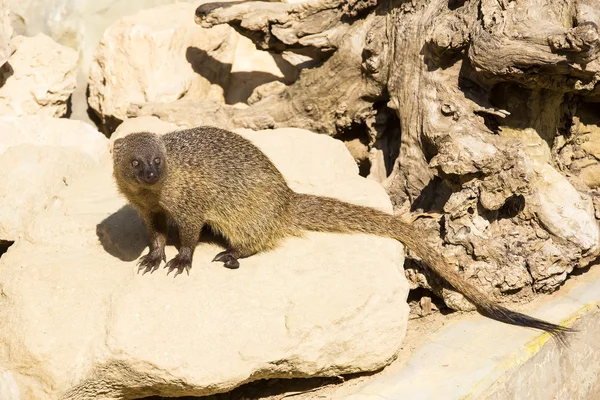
(486, 95)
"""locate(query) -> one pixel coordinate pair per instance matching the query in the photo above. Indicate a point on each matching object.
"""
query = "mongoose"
(211, 176)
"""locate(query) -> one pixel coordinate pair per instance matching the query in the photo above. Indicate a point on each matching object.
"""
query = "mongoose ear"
(117, 144)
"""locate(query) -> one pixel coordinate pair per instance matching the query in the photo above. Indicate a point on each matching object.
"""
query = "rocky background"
(515, 208)
(77, 321)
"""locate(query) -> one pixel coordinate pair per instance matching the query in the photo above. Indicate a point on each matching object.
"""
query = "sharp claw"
(228, 259)
(179, 264)
(148, 263)
(150, 269)
(180, 269)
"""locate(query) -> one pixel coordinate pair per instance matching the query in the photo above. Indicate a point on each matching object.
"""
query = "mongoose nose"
(150, 177)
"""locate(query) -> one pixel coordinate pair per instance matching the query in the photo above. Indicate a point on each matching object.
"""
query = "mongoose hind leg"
(158, 230)
(230, 257)
(244, 246)
(188, 236)
(254, 234)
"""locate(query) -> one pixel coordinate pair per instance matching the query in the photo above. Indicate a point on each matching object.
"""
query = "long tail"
(324, 214)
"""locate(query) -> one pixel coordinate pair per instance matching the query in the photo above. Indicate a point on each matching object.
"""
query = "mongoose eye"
(135, 163)
(157, 161)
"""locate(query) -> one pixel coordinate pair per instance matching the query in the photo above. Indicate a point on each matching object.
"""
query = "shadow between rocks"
(4, 245)
(276, 388)
(219, 73)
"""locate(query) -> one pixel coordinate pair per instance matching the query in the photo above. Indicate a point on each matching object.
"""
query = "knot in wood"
(341, 109)
(588, 32)
(370, 61)
(372, 65)
(448, 109)
(583, 39)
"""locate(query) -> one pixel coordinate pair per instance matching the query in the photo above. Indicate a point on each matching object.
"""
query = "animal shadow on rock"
(123, 235)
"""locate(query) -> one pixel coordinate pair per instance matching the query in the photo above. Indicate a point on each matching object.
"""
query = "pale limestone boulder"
(562, 210)
(253, 68)
(8, 386)
(78, 24)
(159, 55)
(30, 177)
(48, 131)
(6, 32)
(41, 155)
(143, 124)
(218, 64)
(85, 325)
(42, 79)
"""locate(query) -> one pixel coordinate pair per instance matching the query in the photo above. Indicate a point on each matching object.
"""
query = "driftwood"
(471, 109)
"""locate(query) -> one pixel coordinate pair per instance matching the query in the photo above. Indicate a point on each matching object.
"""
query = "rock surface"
(40, 77)
(563, 211)
(141, 124)
(82, 323)
(6, 32)
(252, 68)
(41, 155)
(159, 55)
(215, 64)
(78, 24)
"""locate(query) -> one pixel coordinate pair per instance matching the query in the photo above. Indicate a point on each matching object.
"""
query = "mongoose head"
(140, 159)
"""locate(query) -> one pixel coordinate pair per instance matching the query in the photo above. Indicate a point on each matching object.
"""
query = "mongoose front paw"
(228, 258)
(179, 263)
(151, 261)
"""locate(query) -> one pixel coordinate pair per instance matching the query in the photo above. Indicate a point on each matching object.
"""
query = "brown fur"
(215, 177)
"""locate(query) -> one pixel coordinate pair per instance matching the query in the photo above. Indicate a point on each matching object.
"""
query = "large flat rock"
(39, 156)
(80, 323)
